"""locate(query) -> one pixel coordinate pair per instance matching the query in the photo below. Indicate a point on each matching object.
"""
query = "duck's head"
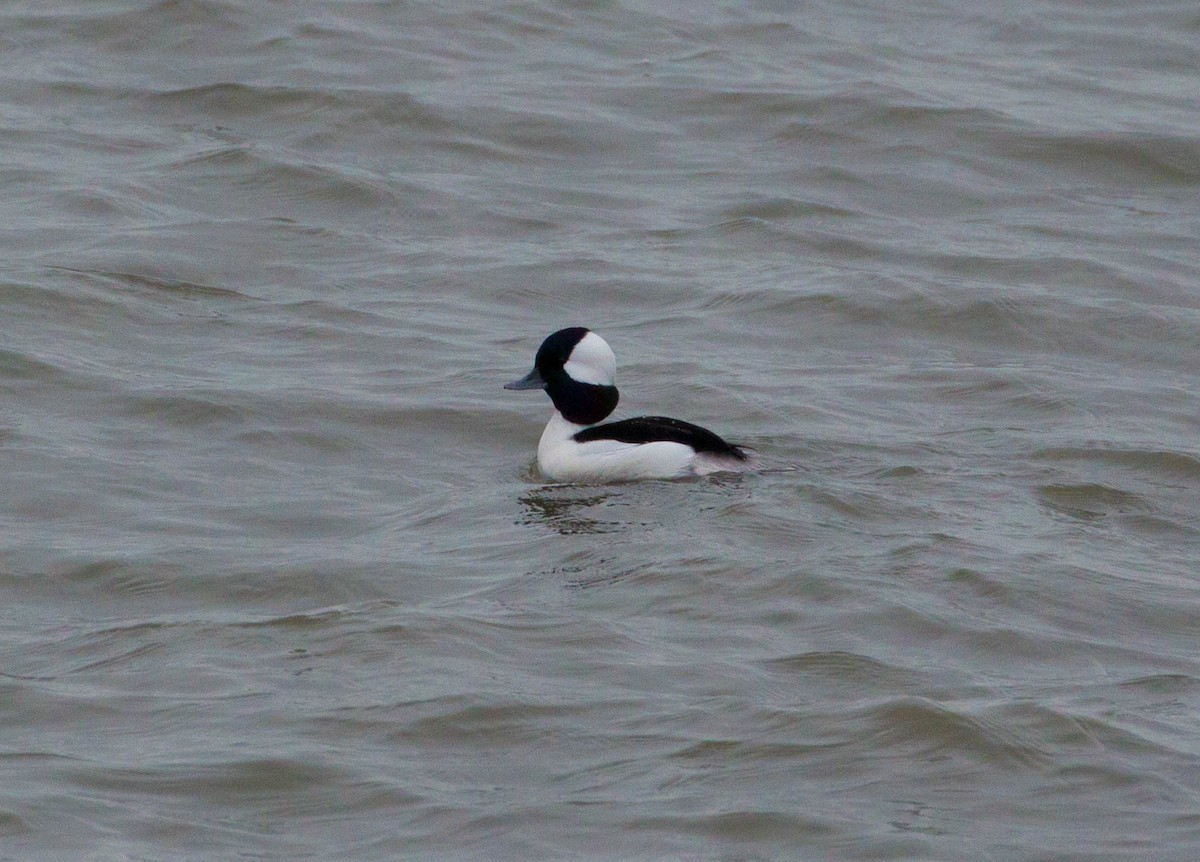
(578, 370)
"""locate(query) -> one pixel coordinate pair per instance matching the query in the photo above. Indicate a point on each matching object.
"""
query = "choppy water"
(278, 580)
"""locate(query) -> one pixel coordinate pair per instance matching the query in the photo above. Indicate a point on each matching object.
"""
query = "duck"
(578, 369)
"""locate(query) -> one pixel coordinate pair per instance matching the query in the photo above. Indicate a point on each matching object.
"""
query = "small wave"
(1163, 462)
(12, 824)
(474, 724)
(175, 287)
(184, 411)
(844, 667)
(1089, 500)
(15, 365)
(224, 781)
(226, 101)
(929, 729)
(771, 209)
(740, 826)
(1164, 684)
(1141, 158)
(285, 178)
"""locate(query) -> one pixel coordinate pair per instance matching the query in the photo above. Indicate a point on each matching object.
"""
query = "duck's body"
(577, 369)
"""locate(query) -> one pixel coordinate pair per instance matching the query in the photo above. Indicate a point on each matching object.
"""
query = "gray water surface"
(279, 579)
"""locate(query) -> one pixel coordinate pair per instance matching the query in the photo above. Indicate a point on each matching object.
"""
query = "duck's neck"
(582, 403)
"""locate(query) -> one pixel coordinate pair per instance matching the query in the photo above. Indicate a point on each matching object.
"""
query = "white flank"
(564, 460)
(708, 462)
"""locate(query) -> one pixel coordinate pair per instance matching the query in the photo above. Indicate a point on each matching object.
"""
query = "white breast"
(562, 459)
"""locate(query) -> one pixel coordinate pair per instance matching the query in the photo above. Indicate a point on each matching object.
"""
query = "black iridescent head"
(578, 370)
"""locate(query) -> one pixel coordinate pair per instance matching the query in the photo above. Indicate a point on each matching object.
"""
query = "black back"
(653, 429)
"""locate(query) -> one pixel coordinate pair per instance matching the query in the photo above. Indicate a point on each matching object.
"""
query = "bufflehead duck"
(578, 370)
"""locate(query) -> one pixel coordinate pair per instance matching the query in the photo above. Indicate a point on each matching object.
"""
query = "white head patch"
(592, 361)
